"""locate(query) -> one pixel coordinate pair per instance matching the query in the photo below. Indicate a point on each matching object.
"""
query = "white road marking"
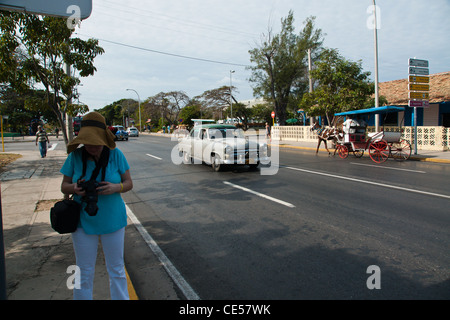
(158, 158)
(187, 290)
(53, 147)
(382, 167)
(371, 182)
(287, 204)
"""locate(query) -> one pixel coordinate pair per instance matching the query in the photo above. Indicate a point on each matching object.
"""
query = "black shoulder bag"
(65, 214)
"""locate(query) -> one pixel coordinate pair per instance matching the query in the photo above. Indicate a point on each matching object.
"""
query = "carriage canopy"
(379, 110)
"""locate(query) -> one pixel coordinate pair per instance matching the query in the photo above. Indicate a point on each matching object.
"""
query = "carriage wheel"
(343, 151)
(401, 150)
(358, 153)
(379, 151)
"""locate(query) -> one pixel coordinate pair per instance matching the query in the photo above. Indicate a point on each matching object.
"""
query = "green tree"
(262, 113)
(241, 112)
(170, 105)
(342, 86)
(190, 112)
(217, 100)
(280, 70)
(36, 49)
(115, 111)
(22, 108)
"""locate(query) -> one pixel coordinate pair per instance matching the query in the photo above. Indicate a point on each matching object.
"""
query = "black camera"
(91, 197)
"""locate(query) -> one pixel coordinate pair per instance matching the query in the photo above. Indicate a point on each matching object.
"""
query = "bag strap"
(101, 164)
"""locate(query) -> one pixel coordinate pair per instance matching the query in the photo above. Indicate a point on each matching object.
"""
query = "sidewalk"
(37, 258)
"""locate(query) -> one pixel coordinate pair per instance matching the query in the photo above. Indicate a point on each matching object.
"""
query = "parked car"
(121, 134)
(133, 132)
(218, 145)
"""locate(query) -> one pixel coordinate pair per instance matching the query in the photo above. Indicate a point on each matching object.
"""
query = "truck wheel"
(215, 163)
(186, 158)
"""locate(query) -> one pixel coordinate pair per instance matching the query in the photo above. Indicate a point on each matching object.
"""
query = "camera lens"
(91, 208)
(91, 197)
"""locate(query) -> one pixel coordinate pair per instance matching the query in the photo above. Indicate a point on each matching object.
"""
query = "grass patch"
(6, 158)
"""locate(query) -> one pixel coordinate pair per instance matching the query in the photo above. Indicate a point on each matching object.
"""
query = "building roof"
(396, 92)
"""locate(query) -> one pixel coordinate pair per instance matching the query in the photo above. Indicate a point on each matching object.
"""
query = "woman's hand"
(67, 187)
(108, 188)
(78, 190)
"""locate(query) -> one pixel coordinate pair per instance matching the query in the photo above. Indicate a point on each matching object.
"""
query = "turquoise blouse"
(111, 215)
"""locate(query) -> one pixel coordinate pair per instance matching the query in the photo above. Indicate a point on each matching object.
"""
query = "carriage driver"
(354, 126)
(351, 126)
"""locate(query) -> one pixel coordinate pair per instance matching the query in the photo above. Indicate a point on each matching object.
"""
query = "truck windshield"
(225, 133)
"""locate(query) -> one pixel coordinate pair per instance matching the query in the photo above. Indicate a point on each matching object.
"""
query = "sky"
(193, 45)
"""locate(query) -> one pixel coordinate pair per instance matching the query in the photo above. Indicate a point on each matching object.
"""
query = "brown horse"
(326, 134)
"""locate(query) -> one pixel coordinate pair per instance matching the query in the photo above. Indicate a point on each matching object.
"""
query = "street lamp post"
(139, 101)
(375, 35)
(231, 101)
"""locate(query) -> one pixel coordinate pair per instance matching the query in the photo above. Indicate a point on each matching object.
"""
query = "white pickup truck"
(218, 145)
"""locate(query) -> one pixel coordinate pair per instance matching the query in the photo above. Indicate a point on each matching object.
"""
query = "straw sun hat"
(93, 132)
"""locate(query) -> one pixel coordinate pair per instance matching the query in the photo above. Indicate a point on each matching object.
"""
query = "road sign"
(419, 71)
(419, 87)
(273, 114)
(419, 95)
(59, 8)
(418, 63)
(419, 103)
(419, 79)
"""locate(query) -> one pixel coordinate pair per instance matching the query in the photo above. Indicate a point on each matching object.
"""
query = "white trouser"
(85, 246)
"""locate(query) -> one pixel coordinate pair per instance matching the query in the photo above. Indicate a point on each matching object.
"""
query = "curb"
(131, 291)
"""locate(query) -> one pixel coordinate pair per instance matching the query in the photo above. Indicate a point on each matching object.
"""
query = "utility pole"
(139, 106)
(69, 126)
(231, 95)
(2, 258)
(375, 35)
(311, 119)
(309, 69)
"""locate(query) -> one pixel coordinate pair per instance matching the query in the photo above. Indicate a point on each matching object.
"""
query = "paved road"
(309, 232)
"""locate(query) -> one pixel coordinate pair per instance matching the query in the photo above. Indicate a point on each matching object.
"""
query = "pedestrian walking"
(267, 131)
(42, 138)
(96, 174)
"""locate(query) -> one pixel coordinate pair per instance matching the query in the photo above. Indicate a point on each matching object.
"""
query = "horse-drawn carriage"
(380, 145)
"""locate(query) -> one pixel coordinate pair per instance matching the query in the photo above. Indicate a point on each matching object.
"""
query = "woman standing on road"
(42, 138)
(108, 222)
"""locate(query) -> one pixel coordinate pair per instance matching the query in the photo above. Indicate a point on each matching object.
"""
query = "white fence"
(428, 138)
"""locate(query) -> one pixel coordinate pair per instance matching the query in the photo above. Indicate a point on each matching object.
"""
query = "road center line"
(287, 204)
(381, 167)
(370, 182)
(187, 290)
(158, 158)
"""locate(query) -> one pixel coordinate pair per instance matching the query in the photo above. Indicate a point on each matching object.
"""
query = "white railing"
(428, 138)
